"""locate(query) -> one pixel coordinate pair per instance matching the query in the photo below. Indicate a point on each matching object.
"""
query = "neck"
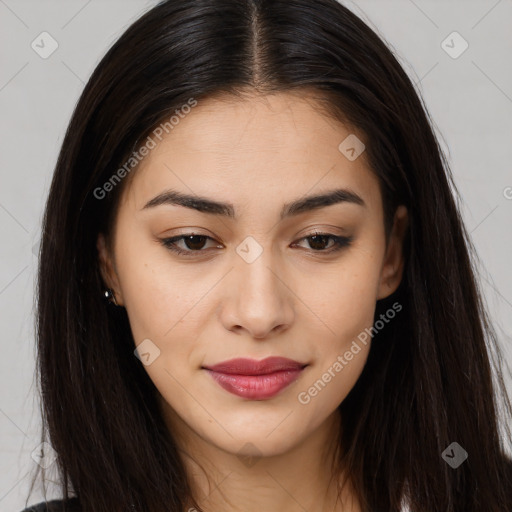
(300, 479)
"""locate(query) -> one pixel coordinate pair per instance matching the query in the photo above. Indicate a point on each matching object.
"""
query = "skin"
(256, 153)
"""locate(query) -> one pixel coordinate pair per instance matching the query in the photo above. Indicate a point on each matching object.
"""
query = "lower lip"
(256, 387)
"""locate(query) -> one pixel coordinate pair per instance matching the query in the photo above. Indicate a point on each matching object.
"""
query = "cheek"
(158, 295)
(345, 304)
(344, 298)
(163, 305)
(339, 359)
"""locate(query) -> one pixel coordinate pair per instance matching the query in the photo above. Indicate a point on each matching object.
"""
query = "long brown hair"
(433, 376)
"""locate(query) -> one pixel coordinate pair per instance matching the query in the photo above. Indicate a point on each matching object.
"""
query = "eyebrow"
(206, 205)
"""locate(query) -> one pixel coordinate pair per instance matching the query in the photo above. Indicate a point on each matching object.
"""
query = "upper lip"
(242, 366)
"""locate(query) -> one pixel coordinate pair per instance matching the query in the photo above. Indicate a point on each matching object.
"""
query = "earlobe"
(393, 266)
(107, 269)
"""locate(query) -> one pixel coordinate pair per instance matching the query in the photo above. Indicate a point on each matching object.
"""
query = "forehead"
(256, 124)
(249, 147)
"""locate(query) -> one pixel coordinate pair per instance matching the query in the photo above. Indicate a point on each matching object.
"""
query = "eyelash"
(340, 242)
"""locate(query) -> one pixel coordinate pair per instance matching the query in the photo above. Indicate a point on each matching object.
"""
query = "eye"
(195, 243)
(318, 240)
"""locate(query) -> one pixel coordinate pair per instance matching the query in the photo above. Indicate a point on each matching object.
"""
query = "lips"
(256, 380)
(254, 367)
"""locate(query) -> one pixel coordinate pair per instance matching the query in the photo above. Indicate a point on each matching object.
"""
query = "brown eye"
(193, 243)
(319, 242)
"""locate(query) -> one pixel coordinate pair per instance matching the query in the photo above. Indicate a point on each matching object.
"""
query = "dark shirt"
(55, 506)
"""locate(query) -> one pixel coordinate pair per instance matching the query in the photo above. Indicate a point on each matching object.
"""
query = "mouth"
(256, 380)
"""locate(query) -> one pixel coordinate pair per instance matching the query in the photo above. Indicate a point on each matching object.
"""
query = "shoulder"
(71, 505)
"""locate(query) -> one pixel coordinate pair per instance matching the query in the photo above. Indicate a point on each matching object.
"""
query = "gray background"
(469, 98)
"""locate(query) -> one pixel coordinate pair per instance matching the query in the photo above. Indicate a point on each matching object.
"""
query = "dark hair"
(433, 375)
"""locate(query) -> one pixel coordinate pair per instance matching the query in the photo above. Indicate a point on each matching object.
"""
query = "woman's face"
(254, 282)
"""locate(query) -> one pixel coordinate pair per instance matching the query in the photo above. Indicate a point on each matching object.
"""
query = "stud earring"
(110, 296)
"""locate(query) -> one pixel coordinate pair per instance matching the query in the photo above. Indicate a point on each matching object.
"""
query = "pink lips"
(256, 380)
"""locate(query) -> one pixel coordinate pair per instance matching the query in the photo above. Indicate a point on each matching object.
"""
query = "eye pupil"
(318, 238)
(191, 238)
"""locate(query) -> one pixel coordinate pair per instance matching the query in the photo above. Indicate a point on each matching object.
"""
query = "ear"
(107, 268)
(393, 265)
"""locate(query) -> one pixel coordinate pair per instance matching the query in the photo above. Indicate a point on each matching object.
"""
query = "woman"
(255, 288)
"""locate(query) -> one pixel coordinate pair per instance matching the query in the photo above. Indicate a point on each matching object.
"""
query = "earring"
(110, 296)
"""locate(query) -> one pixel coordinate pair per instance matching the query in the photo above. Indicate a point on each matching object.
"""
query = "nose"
(259, 298)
